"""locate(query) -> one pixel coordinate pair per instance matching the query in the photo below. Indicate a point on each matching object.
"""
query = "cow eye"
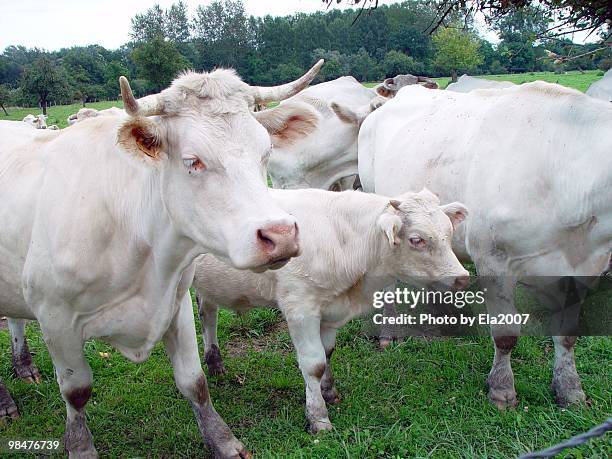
(193, 163)
(417, 242)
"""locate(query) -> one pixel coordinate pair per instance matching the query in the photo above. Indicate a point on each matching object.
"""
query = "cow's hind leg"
(328, 385)
(566, 382)
(8, 408)
(23, 366)
(75, 379)
(212, 354)
(182, 348)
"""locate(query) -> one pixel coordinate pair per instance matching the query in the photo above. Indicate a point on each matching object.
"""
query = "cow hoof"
(320, 426)
(88, 454)
(503, 399)
(383, 342)
(331, 396)
(8, 408)
(216, 370)
(27, 373)
(568, 393)
(233, 450)
(214, 362)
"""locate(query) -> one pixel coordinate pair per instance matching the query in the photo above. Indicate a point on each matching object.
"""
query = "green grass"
(58, 114)
(416, 399)
(573, 79)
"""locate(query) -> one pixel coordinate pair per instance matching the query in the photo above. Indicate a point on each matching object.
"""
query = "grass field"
(419, 398)
(58, 114)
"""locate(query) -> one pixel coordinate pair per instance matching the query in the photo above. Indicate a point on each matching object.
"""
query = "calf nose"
(279, 241)
(461, 282)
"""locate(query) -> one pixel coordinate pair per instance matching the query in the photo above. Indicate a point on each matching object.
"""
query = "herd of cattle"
(106, 224)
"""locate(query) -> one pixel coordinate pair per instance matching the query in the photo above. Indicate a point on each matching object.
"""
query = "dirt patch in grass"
(273, 340)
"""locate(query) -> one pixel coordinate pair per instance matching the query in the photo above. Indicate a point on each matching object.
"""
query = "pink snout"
(279, 242)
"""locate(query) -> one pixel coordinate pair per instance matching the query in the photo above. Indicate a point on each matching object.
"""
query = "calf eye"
(417, 242)
(193, 163)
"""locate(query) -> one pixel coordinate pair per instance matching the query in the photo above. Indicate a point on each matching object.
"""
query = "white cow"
(37, 122)
(467, 83)
(327, 157)
(602, 89)
(533, 167)
(353, 244)
(102, 222)
(85, 113)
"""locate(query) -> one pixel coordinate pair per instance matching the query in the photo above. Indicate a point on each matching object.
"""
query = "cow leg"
(182, 348)
(501, 379)
(212, 354)
(305, 333)
(75, 379)
(23, 366)
(566, 382)
(387, 333)
(328, 385)
(8, 408)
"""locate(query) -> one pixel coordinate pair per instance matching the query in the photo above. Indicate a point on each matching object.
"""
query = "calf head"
(419, 231)
(210, 154)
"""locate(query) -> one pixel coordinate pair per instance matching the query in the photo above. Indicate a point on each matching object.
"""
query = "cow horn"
(145, 106)
(263, 95)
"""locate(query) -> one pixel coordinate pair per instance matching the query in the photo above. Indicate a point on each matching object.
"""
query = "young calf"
(352, 245)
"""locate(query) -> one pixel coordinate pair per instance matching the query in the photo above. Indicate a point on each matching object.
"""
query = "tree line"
(385, 41)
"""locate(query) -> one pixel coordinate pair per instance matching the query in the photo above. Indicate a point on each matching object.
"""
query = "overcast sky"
(55, 24)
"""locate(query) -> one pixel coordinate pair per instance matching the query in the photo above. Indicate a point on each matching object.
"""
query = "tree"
(159, 62)
(223, 34)
(518, 30)
(569, 15)
(5, 96)
(456, 50)
(398, 63)
(364, 67)
(44, 79)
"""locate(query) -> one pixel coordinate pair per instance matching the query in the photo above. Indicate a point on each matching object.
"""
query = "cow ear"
(288, 122)
(456, 211)
(382, 91)
(141, 136)
(351, 116)
(391, 225)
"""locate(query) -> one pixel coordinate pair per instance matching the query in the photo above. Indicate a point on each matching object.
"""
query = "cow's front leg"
(566, 382)
(306, 336)
(501, 379)
(75, 379)
(209, 314)
(182, 348)
(388, 333)
(328, 385)
(23, 366)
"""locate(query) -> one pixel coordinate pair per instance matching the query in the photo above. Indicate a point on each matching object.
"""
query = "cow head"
(419, 232)
(209, 154)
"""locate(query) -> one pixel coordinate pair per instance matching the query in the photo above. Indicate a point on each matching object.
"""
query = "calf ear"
(391, 225)
(288, 123)
(456, 211)
(141, 137)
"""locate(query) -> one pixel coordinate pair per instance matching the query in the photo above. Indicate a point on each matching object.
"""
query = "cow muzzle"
(278, 243)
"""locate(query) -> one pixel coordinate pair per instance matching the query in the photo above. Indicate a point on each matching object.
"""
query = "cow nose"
(461, 282)
(279, 241)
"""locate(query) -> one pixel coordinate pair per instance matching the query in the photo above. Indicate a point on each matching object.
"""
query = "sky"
(58, 24)
(55, 24)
